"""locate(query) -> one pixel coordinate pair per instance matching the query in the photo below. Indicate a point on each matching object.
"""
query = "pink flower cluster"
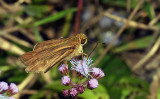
(84, 70)
(7, 91)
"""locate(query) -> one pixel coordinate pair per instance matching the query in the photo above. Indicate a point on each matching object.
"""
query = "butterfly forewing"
(64, 54)
(51, 59)
(51, 43)
(48, 53)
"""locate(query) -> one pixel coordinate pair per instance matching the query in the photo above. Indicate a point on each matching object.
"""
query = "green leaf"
(158, 96)
(36, 10)
(37, 34)
(56, 86)
(39, 95)
(135, 82)
(67, 25)
(38, 1)
(17, 77)
(114, 69)
(136, 44)
(125, 93)
(120, 3)
(5, 68)
(98, 93)
(54, 17)
(115, 66)
(149, 10)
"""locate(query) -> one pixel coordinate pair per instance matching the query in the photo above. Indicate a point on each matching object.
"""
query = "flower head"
(73, 92)
(97, 73)
(101, 74)
(3, 86)
(82, 66)
(66, 92)
(64, 69)
(13, 89)
(81, 89)
(93, 83)
(65, 80)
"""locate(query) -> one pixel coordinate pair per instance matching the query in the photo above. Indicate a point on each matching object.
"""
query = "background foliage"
(131, 65)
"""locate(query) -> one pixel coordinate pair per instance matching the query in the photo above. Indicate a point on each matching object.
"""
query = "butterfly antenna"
(93, 50)
(95, 46)
(97, 42)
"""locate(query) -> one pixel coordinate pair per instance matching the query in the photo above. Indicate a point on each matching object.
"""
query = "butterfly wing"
(45, 56)
(51, 43)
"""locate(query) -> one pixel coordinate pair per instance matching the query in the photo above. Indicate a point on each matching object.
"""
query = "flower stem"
(80, 4)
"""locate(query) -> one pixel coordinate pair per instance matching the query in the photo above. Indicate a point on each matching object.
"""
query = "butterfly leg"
(65, 62)
(84, 54)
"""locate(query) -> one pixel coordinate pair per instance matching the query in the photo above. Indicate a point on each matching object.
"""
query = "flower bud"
(66, 92)
(3, 86)
(13, 89)
(97, 73)
(93, 83)
(94, 72)
(81, 89)
(64, 69)
(65, 80)
(74, 92)
(101, 74)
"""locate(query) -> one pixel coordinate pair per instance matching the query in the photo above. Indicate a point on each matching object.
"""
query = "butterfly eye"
(83, 41)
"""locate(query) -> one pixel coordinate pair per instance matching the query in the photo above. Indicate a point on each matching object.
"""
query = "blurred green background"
(131, 65)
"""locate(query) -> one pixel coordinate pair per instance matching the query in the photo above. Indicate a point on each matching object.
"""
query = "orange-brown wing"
(51, 43)
(59, 58)
(39, 60)
(47, 53)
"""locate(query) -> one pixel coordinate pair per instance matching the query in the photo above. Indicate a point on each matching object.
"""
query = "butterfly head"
(83, 38)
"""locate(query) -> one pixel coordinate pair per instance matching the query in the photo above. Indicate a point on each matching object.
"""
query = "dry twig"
(148, 55)
(29, 92)
(131, 23)
(5, 45)
(154, 48)
(15, 39)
